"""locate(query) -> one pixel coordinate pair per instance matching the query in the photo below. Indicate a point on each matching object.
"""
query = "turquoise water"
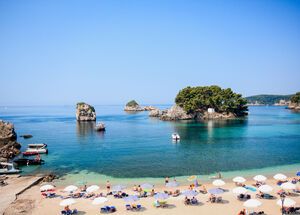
(135, 145)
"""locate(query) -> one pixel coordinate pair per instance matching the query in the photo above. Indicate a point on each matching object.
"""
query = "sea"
(137, 146)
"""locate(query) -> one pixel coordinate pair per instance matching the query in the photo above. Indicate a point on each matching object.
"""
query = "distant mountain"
(267, 99)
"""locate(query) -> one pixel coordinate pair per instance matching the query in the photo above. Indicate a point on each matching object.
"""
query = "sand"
(176, 206)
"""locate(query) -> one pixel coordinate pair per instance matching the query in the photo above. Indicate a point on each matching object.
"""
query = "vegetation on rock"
(296, 98)
(199, 99)
(132, 103)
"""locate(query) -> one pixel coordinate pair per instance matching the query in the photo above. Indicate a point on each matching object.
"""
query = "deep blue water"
(135, 145)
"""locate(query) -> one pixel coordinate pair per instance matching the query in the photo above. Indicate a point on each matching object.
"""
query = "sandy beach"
(31, 202)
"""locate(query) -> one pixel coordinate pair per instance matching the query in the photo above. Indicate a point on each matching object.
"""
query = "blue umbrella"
(147, 186)
(131, 198)
(172, 184)
(118, 188)
(161, 196)
(190, 193)
(298, 173)
(215, 191)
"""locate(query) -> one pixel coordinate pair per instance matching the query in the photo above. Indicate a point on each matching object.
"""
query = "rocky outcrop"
(85, 112)
(178, 113)
(294, 106)
(175, 113)
(133, 106)
(9, 147)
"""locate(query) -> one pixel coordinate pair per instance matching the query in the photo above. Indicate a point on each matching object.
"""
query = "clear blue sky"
(107, 52)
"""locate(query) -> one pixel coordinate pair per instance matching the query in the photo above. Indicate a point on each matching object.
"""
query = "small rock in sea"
(26, 136)
(85, 112)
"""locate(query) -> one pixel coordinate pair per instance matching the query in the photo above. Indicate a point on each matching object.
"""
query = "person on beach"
(166, 180)
(108, 186)
(134, 188)
(152, 192)
(242, 212)
(84, 188)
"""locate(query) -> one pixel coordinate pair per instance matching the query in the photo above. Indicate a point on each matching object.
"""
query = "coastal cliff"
(9, 147)
(133, 106)
(85, 112)
(208, 102)
(295, 102)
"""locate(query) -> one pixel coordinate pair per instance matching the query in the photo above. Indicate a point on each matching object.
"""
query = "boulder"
(9, 147)
(85, 112)
(155, 113)
(133, 106)
(176, 113)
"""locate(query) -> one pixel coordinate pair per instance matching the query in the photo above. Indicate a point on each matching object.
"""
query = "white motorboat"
(175, 136)
(8, 168)
(37, 148)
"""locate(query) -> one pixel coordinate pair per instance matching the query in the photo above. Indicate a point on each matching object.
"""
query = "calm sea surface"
(135, 145)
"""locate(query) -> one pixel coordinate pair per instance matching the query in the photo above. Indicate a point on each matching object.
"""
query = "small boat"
(26, 161)
(31, 153)
(37, 148)
(175, 136)
(8, 168)
(100, 127)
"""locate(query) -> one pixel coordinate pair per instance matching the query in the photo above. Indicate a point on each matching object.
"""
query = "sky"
(60, 52)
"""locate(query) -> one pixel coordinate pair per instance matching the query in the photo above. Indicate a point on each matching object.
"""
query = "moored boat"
(100, 127)
(26, 161)
(175, 136)
(37, 148)
(8, 168)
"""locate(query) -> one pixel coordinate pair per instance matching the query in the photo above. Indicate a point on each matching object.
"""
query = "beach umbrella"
(172, 184)
(131, 198)
(190, 193)
(280, 177)
(218, 182)
(161, 196)
(239, 179)
(252, 203)
(265, 188)
(259, 178)
(239, 190)
(46, 187)
(70, 188)
(286, 203)
(67, 202)
(298, 173)
(99, 200)
(92, 188)
(288, 186)
(118, 188)
(216, 191)
(147, 186)
(192, 178)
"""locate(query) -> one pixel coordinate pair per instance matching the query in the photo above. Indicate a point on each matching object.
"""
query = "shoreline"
(93, 177)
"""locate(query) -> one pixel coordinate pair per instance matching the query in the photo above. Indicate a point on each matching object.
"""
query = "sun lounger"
(69, 212)
(108, 209)
(128, 207)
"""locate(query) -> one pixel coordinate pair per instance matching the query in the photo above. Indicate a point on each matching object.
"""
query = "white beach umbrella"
(218, 182)
(288, 186)
(67, 202)
(259, 178)
(70, 188)
(252, 203)
(46, 187)
(239, 179)
(99, 200)
(265, 188)
(92, 188)
(286, 203)
(239, 190)
(280, 177)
